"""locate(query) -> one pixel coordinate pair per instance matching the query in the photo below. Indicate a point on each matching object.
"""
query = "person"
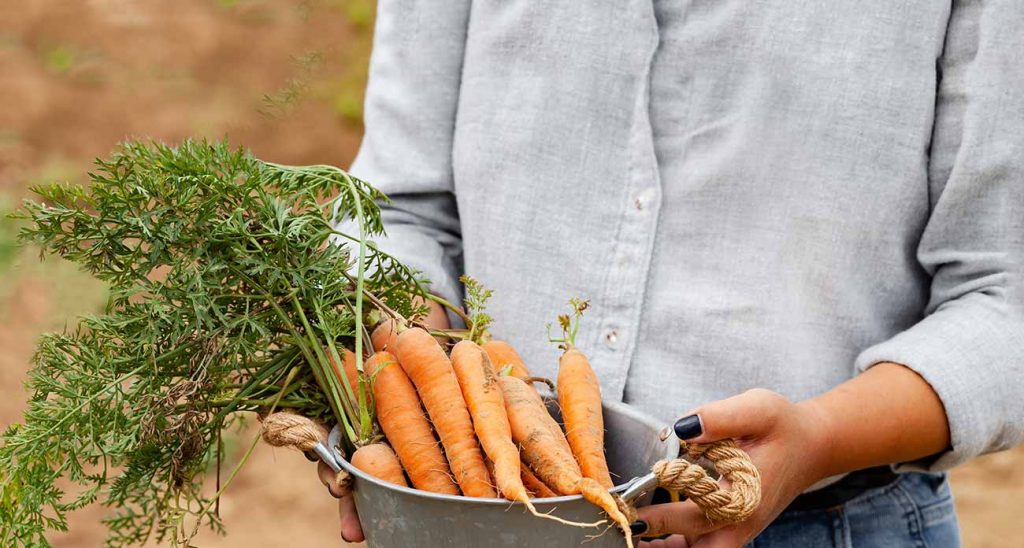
(799, 225)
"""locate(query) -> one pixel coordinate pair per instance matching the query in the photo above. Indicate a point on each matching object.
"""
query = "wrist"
(821, 447)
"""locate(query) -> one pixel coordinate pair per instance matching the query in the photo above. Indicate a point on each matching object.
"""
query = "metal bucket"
(399, 517)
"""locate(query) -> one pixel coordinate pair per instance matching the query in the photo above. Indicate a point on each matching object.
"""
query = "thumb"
(749, 414)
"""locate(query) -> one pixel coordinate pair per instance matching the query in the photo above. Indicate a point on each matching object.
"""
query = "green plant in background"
(60, 59)
(360, 13)
(314, 78)
(227, 296)
(9, 247)
(295, 89)
(350, 85)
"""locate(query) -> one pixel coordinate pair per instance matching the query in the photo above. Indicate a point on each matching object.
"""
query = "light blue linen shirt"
(750, 193)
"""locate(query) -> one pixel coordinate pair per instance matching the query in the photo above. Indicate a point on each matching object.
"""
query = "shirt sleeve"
(409, 114)
(970, 344)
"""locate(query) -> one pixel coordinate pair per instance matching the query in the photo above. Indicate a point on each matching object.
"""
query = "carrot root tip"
(549, 515)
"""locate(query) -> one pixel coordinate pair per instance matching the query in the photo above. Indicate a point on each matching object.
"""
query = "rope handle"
(285, 429)
(719, 504)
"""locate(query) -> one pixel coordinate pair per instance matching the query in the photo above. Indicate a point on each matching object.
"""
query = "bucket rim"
(619, 407)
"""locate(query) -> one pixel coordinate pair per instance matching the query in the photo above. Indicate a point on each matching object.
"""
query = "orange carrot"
(426, 364)
(533, 483)
(348, 362)
(548, 459)
(486, 405)
(490, 472)
(380, 462)
(406, 426)
(385, 336)
(579, 395)
(502, 355)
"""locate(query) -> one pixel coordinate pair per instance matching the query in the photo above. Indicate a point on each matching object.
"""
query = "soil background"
(282, 77)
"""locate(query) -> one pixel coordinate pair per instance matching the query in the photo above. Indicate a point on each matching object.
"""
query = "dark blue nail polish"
(688, 428)
(638, 527)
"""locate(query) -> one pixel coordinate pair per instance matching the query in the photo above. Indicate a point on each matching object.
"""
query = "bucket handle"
(334, 457)
(639, 487)
(683, 475)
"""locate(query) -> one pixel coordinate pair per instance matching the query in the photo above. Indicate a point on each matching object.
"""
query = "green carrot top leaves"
(570, 324)
(476, 305)
(231, 290)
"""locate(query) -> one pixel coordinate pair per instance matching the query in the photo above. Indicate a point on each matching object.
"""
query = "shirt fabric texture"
(750, 193)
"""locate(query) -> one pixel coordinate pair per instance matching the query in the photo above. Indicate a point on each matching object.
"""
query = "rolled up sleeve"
(970, 344)
(410, 109)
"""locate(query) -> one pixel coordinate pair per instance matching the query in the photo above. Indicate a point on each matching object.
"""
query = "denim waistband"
(847, 488)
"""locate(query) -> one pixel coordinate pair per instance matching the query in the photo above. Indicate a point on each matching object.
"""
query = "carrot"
(348, 363)
(533, 483)
(385, 336)
(579, 395)
(490, 472)
(406, 426)
(548, 459)
(431, 372)
(502, 355)
(379, 461)
(486, 405)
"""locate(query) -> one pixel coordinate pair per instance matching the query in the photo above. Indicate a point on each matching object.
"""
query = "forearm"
(886, 415)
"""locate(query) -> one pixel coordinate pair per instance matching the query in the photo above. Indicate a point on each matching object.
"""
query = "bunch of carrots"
(241, 286)
(470, 422)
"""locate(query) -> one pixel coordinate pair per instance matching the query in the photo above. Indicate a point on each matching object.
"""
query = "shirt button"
(610, 338)
(643, 199)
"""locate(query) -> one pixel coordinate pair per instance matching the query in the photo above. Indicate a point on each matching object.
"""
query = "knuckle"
(760, 394)
(768, 400)
(661, 519)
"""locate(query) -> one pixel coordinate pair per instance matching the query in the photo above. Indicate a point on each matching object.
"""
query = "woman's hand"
(887, 414)
(351, 531)
(789, 445)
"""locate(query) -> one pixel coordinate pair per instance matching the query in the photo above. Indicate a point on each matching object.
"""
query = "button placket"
(630, 255)
(629, 266)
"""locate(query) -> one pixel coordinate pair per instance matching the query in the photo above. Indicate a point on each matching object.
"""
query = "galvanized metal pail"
(399, 517)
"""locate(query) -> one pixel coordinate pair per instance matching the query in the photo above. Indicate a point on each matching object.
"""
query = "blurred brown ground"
(283, 77)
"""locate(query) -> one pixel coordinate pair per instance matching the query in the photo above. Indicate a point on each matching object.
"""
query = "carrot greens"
(231, 290)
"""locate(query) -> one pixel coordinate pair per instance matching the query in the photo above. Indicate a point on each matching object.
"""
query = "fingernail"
(638, 527)
(688, 428)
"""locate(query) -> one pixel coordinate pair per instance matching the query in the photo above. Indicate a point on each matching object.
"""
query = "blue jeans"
(915, 510)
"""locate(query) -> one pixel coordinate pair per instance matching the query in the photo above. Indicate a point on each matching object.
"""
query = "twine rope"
(720, 505)
(284, 429)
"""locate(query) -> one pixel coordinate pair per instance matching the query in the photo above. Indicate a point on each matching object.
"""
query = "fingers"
(729, 537)
(749, 414)
(679, 518)
(351, 530)
(437, 317)
(329, 478)
(674, 541)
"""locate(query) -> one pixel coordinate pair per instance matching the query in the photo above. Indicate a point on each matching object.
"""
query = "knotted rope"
(720, 505)
(284, 429)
